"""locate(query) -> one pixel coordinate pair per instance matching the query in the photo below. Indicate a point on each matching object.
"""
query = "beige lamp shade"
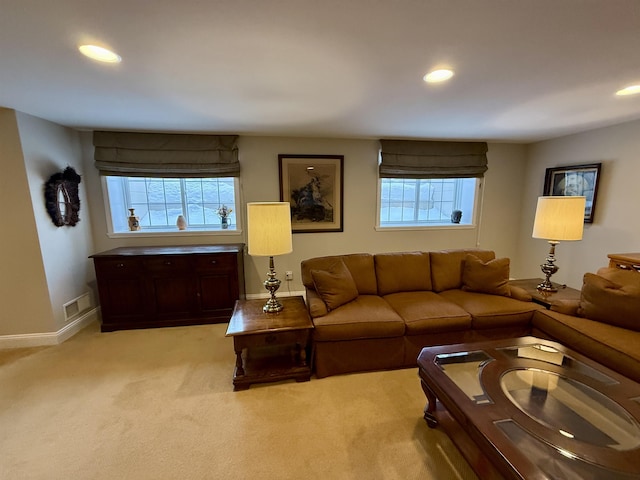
(269, 228)
(559, 218)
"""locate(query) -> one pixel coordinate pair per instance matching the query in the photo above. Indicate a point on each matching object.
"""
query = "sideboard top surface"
(172, 250)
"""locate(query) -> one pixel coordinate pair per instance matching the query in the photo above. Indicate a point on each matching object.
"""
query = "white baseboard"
(49, 338)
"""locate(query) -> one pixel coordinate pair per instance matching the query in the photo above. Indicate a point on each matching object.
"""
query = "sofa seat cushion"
(492, 311)
(402, 272)
(610, 345)
(428, 312)
(368, 316)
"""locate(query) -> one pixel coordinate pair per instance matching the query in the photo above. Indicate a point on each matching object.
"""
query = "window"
(409, 202)
(159, 201)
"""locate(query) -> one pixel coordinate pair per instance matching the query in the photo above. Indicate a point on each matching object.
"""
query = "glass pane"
(426, 201)
(193, 190)
(172, 190)
(158, 201)
(557, 464)
(464, 369)
(548, 354)
(572, 408)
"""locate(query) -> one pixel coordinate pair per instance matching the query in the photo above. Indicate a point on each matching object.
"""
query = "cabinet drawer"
(118, 266)
(166, 263)
(216, 262)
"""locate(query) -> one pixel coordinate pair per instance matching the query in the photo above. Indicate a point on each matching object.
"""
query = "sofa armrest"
(568, 307)
(520, 294)
(315, 304)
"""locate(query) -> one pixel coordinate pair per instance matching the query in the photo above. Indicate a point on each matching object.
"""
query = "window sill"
(175, 233)
(395, 228)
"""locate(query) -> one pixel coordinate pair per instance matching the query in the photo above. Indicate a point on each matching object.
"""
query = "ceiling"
(526, 70)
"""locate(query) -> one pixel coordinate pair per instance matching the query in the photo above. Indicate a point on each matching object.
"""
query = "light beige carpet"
(159, 404)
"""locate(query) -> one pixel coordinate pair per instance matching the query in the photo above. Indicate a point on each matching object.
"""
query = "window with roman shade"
(167, 155)
(169, 182)
(432, 159)
(426, 184)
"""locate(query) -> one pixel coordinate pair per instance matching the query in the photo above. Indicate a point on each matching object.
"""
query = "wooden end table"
(270, 347)
(547, 299)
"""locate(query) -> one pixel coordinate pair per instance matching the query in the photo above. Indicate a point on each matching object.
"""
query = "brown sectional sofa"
(604, 325)
(398, 303)
(377, 311)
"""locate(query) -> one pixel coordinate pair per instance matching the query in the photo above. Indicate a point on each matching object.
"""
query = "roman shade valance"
(432, 159)
(166, 154)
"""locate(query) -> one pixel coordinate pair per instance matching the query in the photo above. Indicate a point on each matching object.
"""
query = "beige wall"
(260, 182)
(615, 228)
(49, 148)
(45, 266)
(24, 294)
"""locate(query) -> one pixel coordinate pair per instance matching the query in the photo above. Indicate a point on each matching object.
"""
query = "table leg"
(239, 365)
(430, 407)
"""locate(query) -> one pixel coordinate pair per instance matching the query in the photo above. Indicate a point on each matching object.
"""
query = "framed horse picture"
(313, 186)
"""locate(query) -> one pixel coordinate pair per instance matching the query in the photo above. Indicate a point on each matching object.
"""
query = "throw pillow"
(335, 285)
(486, 277)
(606, 301)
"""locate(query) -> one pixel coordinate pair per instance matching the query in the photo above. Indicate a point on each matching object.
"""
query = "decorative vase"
(134, 222)
(224, 223)
(181, 223)
(456, 216)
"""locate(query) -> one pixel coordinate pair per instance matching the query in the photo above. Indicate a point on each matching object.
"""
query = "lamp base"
(549, 269)
(272, 284)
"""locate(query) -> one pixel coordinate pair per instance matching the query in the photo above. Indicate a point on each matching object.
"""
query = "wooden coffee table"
(529, 408)
(270, 346)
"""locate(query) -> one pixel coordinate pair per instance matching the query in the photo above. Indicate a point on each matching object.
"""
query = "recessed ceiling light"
(630, 90)
(100, 54)
(439, 75)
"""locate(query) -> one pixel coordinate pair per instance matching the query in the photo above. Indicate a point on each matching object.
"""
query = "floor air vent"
(77, 306)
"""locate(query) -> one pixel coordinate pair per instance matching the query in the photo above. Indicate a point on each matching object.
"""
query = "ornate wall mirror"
(61, 197)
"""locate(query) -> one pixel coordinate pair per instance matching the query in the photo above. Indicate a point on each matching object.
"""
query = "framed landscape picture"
(575, 181)
(312, 184)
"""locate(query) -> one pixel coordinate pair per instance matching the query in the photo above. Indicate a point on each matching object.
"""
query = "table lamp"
(269, 234)
(557, 219)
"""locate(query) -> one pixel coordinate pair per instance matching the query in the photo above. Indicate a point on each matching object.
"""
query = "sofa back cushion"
(447, 265)
(336, 285)
(360, 266)
(490, 277)
(402, 272)
(612, 296)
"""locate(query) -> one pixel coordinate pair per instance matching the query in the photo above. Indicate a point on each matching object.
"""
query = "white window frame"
(431, 225)
(170, 231)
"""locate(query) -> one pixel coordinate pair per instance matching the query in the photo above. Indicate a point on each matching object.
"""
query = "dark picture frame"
(313, 185)
(575, 180)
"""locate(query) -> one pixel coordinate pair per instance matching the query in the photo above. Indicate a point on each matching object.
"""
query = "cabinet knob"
(120, 265)
(167, 262)
(214, 262)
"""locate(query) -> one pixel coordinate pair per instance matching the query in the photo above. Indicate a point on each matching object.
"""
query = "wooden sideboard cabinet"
(145, 287)
(625, 261)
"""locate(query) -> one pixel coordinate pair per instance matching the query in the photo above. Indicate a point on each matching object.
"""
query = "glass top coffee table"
(529, 408)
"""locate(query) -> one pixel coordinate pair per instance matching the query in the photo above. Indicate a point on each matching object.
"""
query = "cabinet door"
(217, 285)
(122, 291)
(170, 286)
(217, 291)
(122, 298)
